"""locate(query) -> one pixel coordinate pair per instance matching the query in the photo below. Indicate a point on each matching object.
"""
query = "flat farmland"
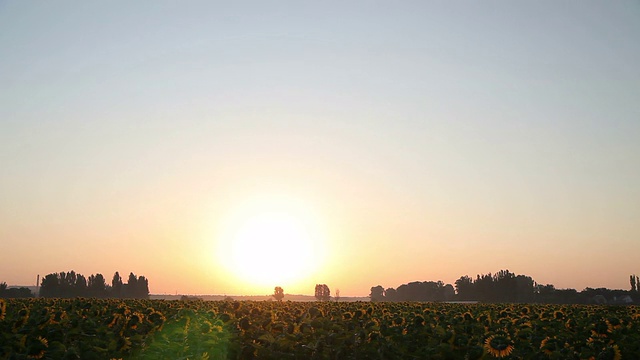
(157, 329)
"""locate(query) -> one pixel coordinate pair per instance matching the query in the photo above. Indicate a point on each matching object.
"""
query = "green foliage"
(72, 285)
(155, 329)
(278, 293)
(322, 292)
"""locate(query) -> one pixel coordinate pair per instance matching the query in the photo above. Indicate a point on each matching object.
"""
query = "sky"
(386, 142)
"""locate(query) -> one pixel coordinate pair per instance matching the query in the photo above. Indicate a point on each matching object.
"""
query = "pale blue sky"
(503, 134)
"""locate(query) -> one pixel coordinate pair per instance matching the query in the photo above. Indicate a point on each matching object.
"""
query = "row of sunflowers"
(156, 329)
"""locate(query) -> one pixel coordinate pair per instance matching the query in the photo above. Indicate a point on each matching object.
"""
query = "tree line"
(322, 293)
(8, 293)
(414, 291)
(505, 287)
(71, 284)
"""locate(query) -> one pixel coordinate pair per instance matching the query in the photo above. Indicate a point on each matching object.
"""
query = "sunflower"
(610, 353)
(216, 329)
(58, 317)
(18, 324)
(484, 318)
(24, 313)
(613, 324)
(498, 345)
(468, 317)
(398, 320)
(157, 319)
(205, 327)
(570, 324)
(135, 319)
(3, 309)
(600, 329)
(114, 320)
(37, 348)
(558, 315)
(550, 346)
(373, 336)
(244, 324)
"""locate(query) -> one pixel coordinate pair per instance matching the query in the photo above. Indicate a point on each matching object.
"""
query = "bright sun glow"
(270, 243)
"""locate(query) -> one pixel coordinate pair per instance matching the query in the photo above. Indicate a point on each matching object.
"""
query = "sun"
(275, 242)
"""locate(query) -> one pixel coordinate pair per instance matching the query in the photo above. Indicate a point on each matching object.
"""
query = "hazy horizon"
(227, 148)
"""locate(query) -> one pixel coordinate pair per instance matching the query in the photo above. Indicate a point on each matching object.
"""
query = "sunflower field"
(157, 329)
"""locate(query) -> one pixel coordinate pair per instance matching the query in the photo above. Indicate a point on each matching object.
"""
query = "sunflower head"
(23, 313)
(314, 312)
(372, 323)
(398, 320)
(373, 336)
(134, 320)
(244, 324)
(3, 309)
(37, 348)
(551, 346)
(157, 319)
(467, 316)
(610, 353)
(613, 323)
(498, 345)
(369, 311)
(600, 329)
(123, 310)
(484, 318)
(558, 315)
(570, 324)
(205, 327)
(58, 316)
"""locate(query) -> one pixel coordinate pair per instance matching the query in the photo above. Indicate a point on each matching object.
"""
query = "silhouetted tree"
(421, 291)
(377, 293)
(391, 294)
(142, 288)
(524, 289)
(465, 288)
(50, 286)
(116, 285)
(484, 287)
(278, 293)
(322, 292)
(129, 289)
(505, 286)
(13, 293)
(97, 286)
(448, 292)
(67, 282)
(71, 284)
